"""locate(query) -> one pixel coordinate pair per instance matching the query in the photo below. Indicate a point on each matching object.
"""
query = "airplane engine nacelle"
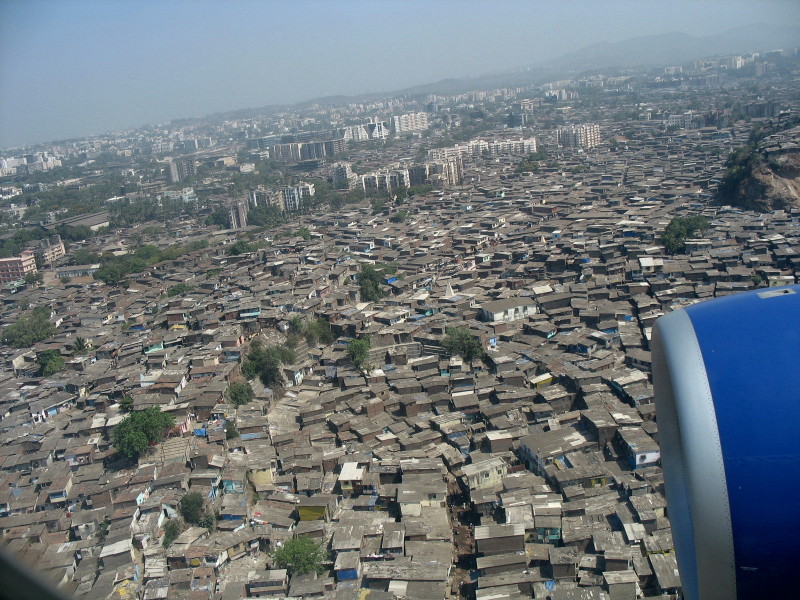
(727, 385)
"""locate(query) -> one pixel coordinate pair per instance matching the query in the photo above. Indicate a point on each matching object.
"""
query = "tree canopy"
(240, 393)
(370, 278)
(265, 362)
(191, 507)
(358, 351)
(139, 429)
(314, 331)
(50, 362)
(299, 556)
(32, 327)
(680, 229)
(461, 342)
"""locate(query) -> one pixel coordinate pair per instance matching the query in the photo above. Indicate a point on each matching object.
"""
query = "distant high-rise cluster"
(30, 163)
(762, 109)
(578, 136)
(438, 173)
(482, 147)
(295, 152)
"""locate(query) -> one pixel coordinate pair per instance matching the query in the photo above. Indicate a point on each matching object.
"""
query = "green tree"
(32, 327)
(220, 216)
(399, 217)
(110, 274)
(369, 280)
(191, 507)
(50, 363)
(319, 331)
(65, 280)
(378, 206)
(240, 247)
(126, 403)
(358, 351)
(208, 521)
(230, 430)
(265, 363)
(459, 341)
(299, 556)
(179, 289)
(171, 532)
(240, 393)
(140, 428)
(81, 346)
(680, 229)
(33, 278)
(265, 216)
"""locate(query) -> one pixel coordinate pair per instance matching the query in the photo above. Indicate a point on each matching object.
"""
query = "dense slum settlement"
(529, 470)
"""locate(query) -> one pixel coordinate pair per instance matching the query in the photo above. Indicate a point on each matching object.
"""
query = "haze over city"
(79, 68)
(399, 301)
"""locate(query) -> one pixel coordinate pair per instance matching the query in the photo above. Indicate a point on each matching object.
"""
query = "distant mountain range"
(676, 48)
(642, 51)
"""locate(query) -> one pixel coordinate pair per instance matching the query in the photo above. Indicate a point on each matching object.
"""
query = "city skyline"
(83, 68)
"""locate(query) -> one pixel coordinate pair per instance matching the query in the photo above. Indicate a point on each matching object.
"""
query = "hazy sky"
(70, 68)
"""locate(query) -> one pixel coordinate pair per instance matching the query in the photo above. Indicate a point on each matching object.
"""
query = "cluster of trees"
(531, 163)
(299, 556)
(179, 289)
(738, 168)
(266, 216)
(191, 509)
(219, 216)
(32, 327)
(370, 278)
(16, 243)
(139, 429)
(240, 247)
(301, 232)
(114, 269)
(358, 352)
(240, 393)
(315, 331)
(680, 229)
(459, 341)
(265, 362)
(340, 199)
(76, 201)
(399, 217)
(171, 532)
(33, 278)
(50, 362)
(125, 214)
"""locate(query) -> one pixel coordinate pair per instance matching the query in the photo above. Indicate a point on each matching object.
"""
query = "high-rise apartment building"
(341, 174)
(294, 152)
(293, 195)
(578, 136)
(48, 251)
(482, 147)
(181, 169)
(410, 122)
(238, 215)
(16, 267)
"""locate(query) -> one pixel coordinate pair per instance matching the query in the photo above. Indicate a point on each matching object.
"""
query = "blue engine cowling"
(727, 384)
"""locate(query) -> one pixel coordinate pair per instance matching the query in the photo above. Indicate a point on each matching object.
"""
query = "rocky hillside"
(764, 176)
